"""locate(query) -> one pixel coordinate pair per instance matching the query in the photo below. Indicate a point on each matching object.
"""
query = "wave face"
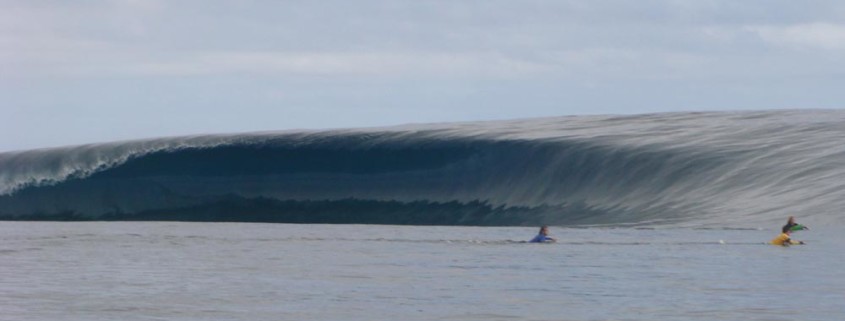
(676, 169)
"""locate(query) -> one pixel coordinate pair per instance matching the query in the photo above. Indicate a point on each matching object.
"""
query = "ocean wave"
(680, 169)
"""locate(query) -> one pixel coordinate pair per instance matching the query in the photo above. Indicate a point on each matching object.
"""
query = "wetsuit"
(540, 238)
(784, 239)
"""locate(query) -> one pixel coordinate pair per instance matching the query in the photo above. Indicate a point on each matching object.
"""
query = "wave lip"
(680, 169)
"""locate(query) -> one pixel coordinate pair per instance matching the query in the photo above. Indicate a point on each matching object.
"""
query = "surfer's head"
(544, 230)
(786, 229)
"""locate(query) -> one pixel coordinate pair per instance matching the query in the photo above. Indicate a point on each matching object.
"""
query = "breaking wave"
(679, 169)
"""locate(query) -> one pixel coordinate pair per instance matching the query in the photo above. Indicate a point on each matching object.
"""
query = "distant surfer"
(543, 236)
(794, 226)
(784, 239)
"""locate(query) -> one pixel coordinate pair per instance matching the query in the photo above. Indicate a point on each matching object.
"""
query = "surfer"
(794, 226)
(784, 239)
(543, 236)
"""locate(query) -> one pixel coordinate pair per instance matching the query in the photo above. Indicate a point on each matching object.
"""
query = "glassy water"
(227, 271)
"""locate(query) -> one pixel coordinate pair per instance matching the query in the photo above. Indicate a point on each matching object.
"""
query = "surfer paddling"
(543, 236)
(784, 239)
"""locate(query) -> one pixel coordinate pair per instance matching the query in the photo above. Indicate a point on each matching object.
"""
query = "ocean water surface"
(235, 271)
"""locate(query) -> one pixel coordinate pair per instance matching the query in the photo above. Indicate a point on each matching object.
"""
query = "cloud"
(339, 63)
(817, 35)
(497, 39)
(80, 59)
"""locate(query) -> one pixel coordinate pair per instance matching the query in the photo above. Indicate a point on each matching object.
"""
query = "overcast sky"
(74, 72)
